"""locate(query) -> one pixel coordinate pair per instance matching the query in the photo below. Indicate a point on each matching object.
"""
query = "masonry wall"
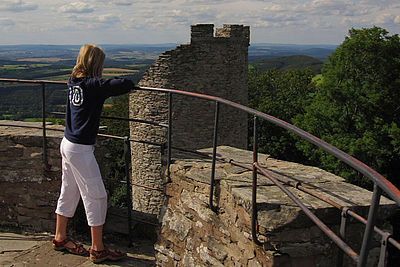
(208, 65)
(29, 191)
(190, 233)
(193, 235)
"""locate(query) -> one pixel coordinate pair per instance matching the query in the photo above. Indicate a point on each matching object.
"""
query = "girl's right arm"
(115, 86)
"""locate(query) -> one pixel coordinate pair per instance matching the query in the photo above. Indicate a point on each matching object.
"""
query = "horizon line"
(167, 44)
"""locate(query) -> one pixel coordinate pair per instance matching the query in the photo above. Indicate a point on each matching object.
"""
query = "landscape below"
(55, 62)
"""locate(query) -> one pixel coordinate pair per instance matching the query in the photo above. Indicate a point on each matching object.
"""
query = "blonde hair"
(90, 62)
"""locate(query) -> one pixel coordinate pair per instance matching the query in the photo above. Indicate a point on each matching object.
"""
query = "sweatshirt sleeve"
(115, 86)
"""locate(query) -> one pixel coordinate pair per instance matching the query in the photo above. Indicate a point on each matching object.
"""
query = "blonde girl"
(81, 176)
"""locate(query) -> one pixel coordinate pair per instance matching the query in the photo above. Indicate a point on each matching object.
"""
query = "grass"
(59, 78)
(32, 119)
(23, 67)
(14, 67)
(138, 66)
(57, 121)
(39, 65)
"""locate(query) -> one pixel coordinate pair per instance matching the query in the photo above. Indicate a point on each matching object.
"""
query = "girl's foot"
(70, 246)
(105, 254)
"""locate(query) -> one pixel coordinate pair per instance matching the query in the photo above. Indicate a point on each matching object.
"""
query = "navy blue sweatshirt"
(85, 101)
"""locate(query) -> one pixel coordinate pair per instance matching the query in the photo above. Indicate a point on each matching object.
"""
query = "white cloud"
(122, 2)
(77, 22)
(378, 2)
(108, 19)
(76, 7)
(384, 18)
(275, 7)
(296, 21)
(6, 23)
(17, 6)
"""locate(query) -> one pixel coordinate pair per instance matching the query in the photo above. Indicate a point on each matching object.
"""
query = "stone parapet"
(29, 188)
(193, 235)
(202, 32)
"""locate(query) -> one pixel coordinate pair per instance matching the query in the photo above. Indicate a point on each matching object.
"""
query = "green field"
(22, 66)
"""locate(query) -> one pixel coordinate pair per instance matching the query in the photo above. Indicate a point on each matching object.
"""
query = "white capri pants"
(81, 177)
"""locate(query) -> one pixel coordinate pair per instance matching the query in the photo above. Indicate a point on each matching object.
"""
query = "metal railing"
(127, 140)
(381, 184)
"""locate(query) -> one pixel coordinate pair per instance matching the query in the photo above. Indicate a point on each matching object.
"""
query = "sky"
(168, 21)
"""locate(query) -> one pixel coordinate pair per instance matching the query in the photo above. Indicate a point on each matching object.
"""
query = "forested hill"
(288, 63)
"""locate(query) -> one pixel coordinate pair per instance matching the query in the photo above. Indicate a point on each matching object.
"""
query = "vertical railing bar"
(384, 245)
(214, 154)
(383, 253)
(342, 234)
(254, 186)
(45, 164)
(370, 226)
(127, 154)
(169, 134)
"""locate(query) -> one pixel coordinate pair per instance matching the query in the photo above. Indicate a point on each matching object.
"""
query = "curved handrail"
(381, 181)
(31, 81)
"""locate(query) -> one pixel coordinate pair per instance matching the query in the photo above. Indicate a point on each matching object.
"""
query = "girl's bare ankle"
(99, 247)
(59, 237)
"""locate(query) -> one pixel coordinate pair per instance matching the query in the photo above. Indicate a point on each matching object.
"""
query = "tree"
(282, 95)
(356, 107)
(119, 108)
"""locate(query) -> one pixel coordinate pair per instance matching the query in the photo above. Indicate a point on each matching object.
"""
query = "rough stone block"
(178, 223)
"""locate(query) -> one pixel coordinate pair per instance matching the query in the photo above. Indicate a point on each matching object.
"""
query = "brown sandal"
(77, 250)
(105, 254)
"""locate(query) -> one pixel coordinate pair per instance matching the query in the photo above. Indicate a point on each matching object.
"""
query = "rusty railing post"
(214, 153)
(370, 226)
(45, 163)
(254, 186)
(342, 234)
(169, 134)
(383, 253)
(127, 156)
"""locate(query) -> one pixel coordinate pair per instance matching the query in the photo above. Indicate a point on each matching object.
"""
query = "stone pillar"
(208, 65)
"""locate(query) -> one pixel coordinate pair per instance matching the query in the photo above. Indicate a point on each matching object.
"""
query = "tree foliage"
(282, 95)
(356, 106)
(119, 108)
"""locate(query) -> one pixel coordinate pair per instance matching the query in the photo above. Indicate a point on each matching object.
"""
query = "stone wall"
(193, 235)
(29, 191)
(190, 233)
(208, 65)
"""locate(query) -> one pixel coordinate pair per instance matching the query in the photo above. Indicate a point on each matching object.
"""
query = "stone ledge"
(33, 188)
(193, 235)
(271, 201)
(17, 128)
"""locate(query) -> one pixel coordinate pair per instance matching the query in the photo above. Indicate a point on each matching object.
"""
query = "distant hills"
(137, 51)
(69, 52)
(55, 62)
(288, 63)
(28, 60)
(260, 51)
(289, 56)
